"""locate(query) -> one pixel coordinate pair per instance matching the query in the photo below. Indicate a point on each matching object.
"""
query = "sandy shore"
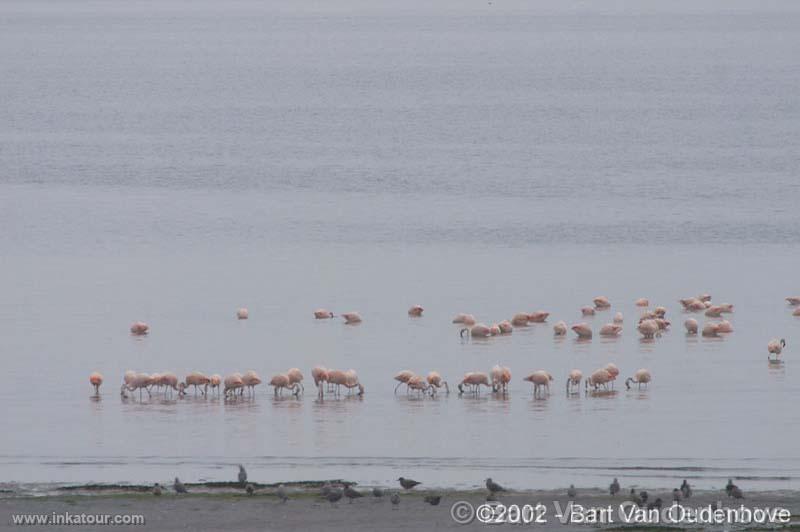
(232, 510)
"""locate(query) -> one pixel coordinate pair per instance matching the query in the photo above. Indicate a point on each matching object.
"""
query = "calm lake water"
(172, 161)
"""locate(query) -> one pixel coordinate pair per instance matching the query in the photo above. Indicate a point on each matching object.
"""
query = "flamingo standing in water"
(540, 380)
(587, 311)
(323, 314)
(501, 376)
(601, 302)
(96, 379)
(574, 380)
(793, 301)
(351, 381)
(477, 331)
(232, 384)
(402, 378)
(196, 379)
(296, 377)
(436, 382)
(139, 328)
(139, 381)
(612, 370)
(415, 311)
(351, 318)
(474, 379)
(642, 302)
(520, 319)
(466, 319)
(610, 329)
(214, 382)
(281, 381)
(505, 327)
(560, 329)
(648, 328)
(600, 377)
(320, 376)
(775, 347)
(242, 313)
(170, 383)
(618, 318)
(250, 380)
(419, 384)
(539, 316)
(711, 329)
(582, 330)
(642, 376)
(691, 326)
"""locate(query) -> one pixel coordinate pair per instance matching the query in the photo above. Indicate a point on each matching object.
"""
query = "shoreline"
(223, 507)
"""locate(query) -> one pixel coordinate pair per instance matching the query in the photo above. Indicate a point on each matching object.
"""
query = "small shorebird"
(493, 486)
(334, 496)
(157, 489)
(395, 498)
(249, 489)
(351, 493)
(281, 493)
(377, 492)
(407, 483)
(613, 489)
(572, 492)
(179, 487)
(242, 475)
(433, 500)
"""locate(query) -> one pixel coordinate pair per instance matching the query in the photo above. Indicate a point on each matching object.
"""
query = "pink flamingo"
(660, 312)
(474, 380)
(170, 382)
(648, 328)
(402, 378)
(250, 380)
(642, 376)
(139, 381)
(477, 331)
(711, 329)
(610, 329)
(796, 312)
(587, 311)
(600, 377)
(436, 382)
(601, 302)
(714, 311)
(612, 370)
(196, 379)
(323, 314)
(296, 377)
(520, 320)
(320, 376)
(618, 317)
(574, 380)
(539, 316)
(214, 382)
(691, 326)
(505, 327)
(793, 301)
(351, 381)
(725, 327)
(540, 380)
(415, 311)
(466, 319)
(281, 381)
(662, 323)
(419, 384)
(96, 379)
(501, 376)
(775, 347)
(351, 318)
(582, 330)
(139, 328)
(560, 329)
(494, 330)
(232, 384)
(642, 302)
(242, 314)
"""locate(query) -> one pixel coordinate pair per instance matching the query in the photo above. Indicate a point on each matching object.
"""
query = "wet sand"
(216, 510)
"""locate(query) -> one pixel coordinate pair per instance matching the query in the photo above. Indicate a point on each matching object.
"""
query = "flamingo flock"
(651, 324)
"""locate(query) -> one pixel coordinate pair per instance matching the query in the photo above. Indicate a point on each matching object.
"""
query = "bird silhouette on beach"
(352, 493)
(493, 486)
(281, 493)
(157, 489)
(179, 487)
(433, 500)
(407, 483)
(242, 475)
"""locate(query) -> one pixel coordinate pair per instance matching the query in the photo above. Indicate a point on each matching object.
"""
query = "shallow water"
(172, 164)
